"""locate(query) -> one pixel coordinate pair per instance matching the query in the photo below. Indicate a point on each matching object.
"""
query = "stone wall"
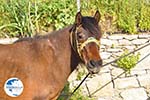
(135, 86)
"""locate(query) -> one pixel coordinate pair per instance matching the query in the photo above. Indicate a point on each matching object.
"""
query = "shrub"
(144, 22)
(19, 18)
(128, 62)
(24, 18)
(127, 13)
(57, 14)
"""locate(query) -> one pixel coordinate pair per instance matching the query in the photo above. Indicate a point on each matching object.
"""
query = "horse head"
(85, 40)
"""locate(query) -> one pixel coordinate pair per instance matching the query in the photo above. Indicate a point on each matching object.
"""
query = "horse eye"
(81, 36)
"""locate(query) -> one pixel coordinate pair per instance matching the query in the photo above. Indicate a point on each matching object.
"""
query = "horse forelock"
(90, 24)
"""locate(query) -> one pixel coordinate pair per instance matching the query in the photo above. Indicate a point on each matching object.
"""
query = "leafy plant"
(144, 22)
(57, 14)
(128, 62)
(65, 92)
(81, 72)
(24, 18)
(127, 13)
(78, 95)
(19, 15)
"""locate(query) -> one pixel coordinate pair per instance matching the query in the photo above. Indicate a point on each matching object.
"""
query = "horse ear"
(78, 19)
(97, 16)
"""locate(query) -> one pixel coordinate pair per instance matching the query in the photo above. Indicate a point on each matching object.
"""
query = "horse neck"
(65, 50)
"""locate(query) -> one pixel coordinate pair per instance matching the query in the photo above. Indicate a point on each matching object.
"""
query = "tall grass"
(20, 18)
(24, 18)
(144, 15)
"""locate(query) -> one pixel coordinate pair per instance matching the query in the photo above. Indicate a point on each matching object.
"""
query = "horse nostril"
(100, 62)
(94, 66)
(92, 62)
(96, 63)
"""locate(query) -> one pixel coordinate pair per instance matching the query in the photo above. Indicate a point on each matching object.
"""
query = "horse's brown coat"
(31, 61)
(42, 63)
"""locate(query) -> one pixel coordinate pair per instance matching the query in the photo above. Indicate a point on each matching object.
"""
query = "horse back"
(26, 61)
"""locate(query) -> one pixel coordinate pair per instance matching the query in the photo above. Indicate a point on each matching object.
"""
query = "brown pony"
(44, 63)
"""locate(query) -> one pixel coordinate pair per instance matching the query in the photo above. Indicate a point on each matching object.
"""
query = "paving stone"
(139, 41)
(148, 93)
(105, 55)
(134, 94)
(114, 50)
(105, 69)
(117, 98)
(102, 47)
(128, 47)
(104, 98)
(117, 71)
(148, 71)
(98, 82)
(143, 36)
(117, 95)
(116, 55)
(128, 82)
(145, 51)
(145, 63)
(108, 42)
(144, 80)
(130, 37)
(138, 72)
(115, 37)
(124, 42)
(108, 60)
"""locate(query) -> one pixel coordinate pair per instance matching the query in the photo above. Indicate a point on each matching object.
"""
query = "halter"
(78, 47)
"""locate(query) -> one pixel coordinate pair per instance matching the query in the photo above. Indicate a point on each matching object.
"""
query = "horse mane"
(88, 23)
(36, 37)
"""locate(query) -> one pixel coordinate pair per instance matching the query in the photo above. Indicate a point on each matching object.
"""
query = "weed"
(128, 62)
(78, 95)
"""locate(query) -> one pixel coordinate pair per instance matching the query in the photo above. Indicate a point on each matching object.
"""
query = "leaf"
(128, 62)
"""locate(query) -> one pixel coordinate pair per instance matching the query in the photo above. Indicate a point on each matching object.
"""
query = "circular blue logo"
(13, 87)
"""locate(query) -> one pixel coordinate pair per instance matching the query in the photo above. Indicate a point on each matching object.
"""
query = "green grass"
(78, 95)
(24, 18)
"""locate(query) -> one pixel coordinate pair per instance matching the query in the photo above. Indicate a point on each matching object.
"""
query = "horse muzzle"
(94, 66)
